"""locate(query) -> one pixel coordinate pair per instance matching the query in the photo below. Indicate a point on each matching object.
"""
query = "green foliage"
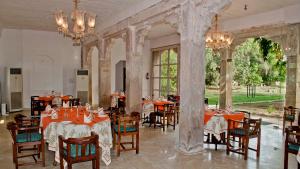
(168, 72)
(212, 67)
(258, 61)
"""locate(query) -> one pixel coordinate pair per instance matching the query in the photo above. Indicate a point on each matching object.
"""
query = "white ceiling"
(236, 9)
(38, 14)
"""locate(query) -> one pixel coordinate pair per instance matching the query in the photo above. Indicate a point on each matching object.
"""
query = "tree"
(212, 67)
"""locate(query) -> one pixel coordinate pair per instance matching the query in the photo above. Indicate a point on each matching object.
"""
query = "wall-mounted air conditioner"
(14, 89)
(82, 85)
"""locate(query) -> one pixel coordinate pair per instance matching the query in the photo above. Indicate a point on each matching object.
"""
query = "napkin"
(100, 111)
(48, 108)
(88, 119)
(87, 106)
(54, 114)
(66, 104)
(148, 98)
(122, 94)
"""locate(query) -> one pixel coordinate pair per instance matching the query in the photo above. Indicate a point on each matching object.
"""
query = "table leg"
(54, 163)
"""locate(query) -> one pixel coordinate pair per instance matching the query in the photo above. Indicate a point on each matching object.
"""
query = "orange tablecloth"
(71, 115)
(235, 116)
(46, 98)
(160, 104)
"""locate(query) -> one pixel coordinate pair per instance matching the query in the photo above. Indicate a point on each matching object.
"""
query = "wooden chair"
(27, 135)
(76, 150)
(37, 107)
(292, 143)
(74, 102)
(126, 126)
(289, 115)
(32, 102)
(245, 130)
(171, 115)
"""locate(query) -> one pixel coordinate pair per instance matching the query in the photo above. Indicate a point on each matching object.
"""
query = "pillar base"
(197, 149)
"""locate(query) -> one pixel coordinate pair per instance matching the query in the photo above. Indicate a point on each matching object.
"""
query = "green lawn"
(239, 98)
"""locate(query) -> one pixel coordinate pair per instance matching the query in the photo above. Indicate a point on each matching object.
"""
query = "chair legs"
(137, 143)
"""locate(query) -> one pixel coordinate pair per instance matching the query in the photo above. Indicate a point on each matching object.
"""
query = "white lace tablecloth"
(70, 130)
(147, 109)
(216, 125)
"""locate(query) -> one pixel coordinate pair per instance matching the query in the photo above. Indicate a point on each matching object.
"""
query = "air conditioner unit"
(14, 89)
(82, 85)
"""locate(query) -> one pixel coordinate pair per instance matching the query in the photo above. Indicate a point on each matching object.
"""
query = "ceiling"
(236, 9)
(38, 14)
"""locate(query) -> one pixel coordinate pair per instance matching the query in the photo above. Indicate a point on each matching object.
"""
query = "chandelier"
(216, 39)
(83, 24)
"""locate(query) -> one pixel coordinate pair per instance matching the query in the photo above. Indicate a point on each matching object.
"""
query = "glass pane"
(164, 87)
(164, 57)
(173, 56)
(156, 71)
(155, 94)
(156, 83)
(173, 71)
(164, 71)
(156, 58)
(173, 85)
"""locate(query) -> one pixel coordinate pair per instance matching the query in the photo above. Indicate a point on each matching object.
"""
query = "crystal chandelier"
(83, 24)
(216, 39)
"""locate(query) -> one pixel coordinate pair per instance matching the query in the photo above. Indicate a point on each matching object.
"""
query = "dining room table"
(154, 106)
(216, 124)
(72, 123)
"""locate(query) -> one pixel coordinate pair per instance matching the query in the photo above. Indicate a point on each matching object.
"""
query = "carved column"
(292, 51)
(134, 51)
(194, 23)
(105, 72)
(225, 99)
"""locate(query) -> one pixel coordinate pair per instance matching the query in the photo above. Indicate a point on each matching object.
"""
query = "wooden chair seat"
(28, 137)
(129, 128)
(77, 153)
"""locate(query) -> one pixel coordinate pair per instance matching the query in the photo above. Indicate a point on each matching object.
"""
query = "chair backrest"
(253, 126)
(292, 135)
(85, 148)
(27, 127)
(75, 101)
(125, 122)
(289, 113)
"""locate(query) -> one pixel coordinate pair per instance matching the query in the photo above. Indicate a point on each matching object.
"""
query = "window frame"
(157, 52)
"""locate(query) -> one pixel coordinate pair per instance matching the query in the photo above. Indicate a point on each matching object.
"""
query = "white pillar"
(194, 23)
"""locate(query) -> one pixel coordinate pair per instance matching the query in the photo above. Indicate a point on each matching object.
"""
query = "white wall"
(118, 53)
(48, 61)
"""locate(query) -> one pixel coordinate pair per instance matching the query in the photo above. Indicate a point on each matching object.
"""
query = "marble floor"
(158, 151)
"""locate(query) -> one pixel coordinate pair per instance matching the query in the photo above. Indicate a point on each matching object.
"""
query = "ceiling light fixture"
(80, 21)
(216, 39)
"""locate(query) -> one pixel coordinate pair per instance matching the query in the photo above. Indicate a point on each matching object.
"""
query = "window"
(165, 72)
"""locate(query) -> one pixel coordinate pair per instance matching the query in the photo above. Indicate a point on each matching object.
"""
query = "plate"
(102, 115)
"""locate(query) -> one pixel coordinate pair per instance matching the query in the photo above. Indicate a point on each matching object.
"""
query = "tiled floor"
(158, 151)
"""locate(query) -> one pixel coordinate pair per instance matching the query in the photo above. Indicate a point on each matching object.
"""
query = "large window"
(165, 72)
